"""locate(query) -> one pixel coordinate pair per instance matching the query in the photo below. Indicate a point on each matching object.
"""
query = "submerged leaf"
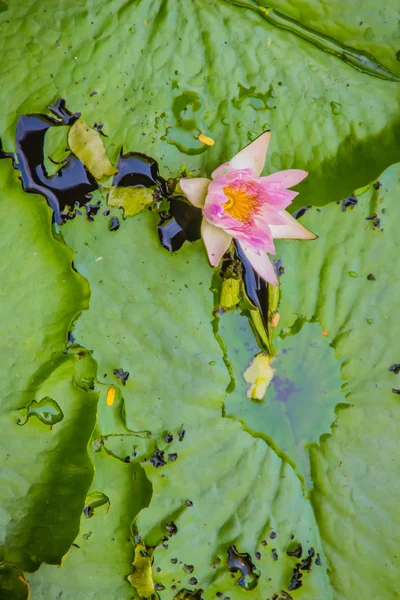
(87, 145)
(259, 374)
(55, 149)
(131, 199)
(13, 585)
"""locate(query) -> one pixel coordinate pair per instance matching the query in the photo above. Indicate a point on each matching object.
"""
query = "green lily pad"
(351, 468)
(188, 409)
(46, 471)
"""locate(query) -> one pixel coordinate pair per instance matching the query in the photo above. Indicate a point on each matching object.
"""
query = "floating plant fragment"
(230, 293)
(142, 577)
(46, 410)
(259, 375)
(131, 199)
(237, 203)
(87, 145)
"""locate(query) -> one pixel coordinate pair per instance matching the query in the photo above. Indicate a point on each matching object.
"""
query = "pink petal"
(285, 179)
(215, 240)
(253, 156)
(195, 189)
(292, 229)
(261, 264)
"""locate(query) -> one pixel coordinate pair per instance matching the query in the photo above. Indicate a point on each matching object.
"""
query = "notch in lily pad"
(94, 502)
(46, 410)
(87, 144)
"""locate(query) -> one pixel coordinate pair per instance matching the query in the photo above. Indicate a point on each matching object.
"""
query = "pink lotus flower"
(238, 203)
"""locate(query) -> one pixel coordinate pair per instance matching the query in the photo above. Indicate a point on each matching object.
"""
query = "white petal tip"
(253, 156)
(216, 241)
(195, 189)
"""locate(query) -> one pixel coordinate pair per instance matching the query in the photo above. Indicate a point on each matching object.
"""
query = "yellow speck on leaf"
(142, 577)
(205, 139)
(110, 396)
(259, 375)
(86, 143)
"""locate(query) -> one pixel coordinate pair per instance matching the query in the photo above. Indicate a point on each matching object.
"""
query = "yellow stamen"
(241, 205)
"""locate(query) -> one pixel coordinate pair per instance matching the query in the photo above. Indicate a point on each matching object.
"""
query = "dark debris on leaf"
(239, 562)
(395, 368)
(121, 375)
(185, 594)
(300, 212)
(297, 552)
(158, 460)
(171, 528)
(159, 587)
(92, 210)
(113, 224)
(295, 582)
(306, 563)
(188, 569)
(349, 202)
(377, 222)
(278, 266)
